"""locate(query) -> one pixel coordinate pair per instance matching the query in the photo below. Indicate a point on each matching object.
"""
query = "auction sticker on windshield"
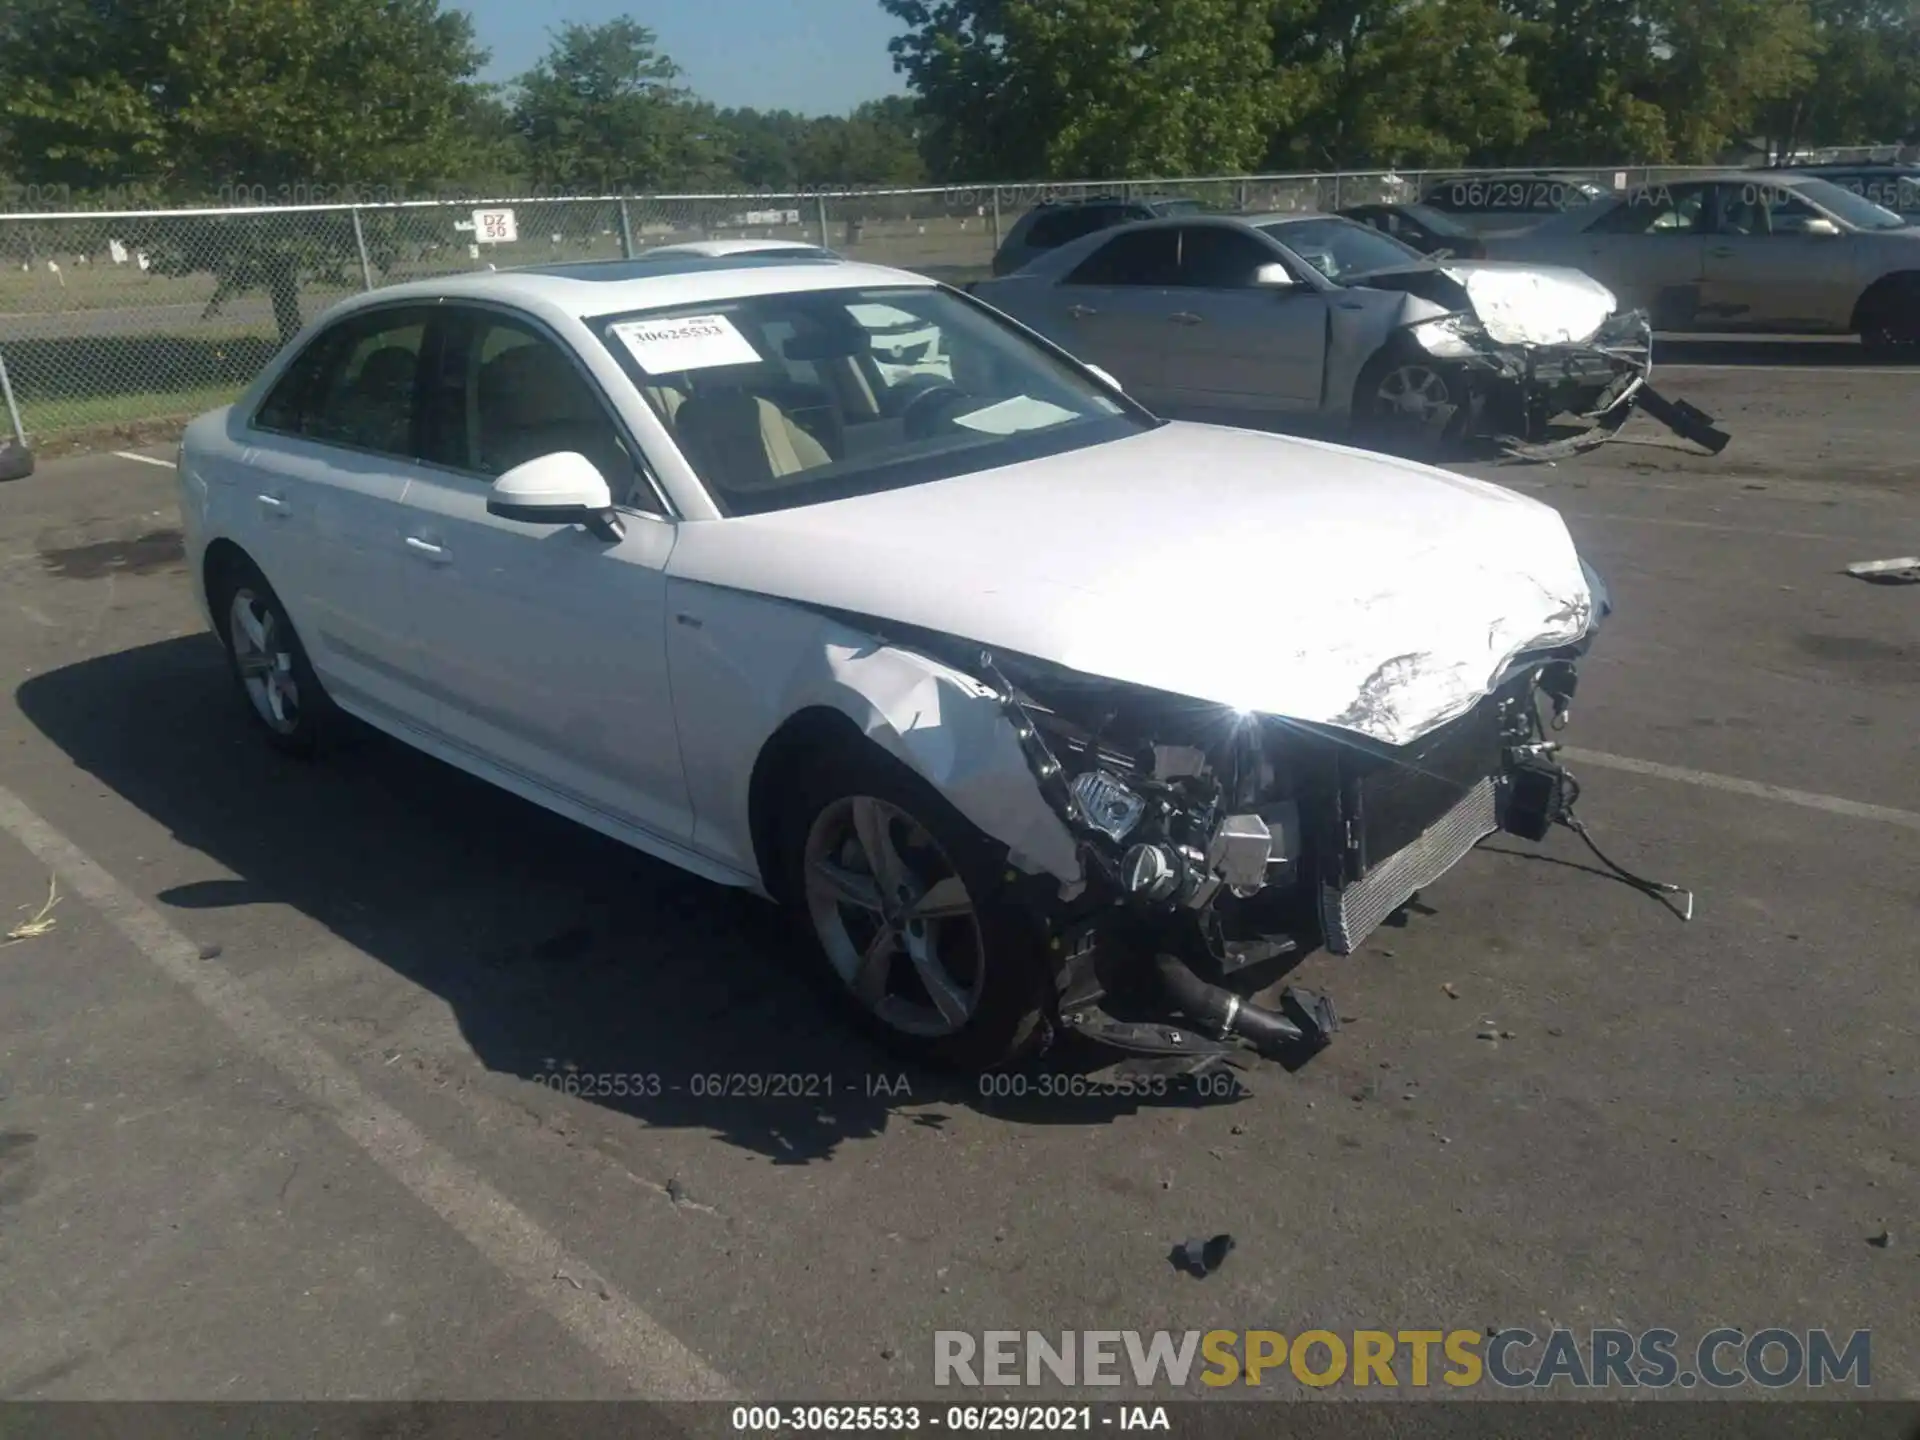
(695, 342)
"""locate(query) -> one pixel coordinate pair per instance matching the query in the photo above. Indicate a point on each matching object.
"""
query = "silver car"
(1310, 315)
(1765, 252)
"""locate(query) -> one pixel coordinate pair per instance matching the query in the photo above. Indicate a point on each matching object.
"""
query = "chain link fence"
(125, 324)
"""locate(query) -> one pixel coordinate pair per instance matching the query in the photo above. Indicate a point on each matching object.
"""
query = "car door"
(1774, 262)
(334, 447)
(1650, 250)
(1112, 308)
(1230, 342)
(544, 644)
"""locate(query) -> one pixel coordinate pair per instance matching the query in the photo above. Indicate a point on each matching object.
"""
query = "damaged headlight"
(1107, 805)
(1451, 337)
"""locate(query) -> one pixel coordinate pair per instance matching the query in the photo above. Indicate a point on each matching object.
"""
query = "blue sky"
(816, 56)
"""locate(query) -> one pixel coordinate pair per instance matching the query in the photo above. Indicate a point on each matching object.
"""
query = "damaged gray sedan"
(1316, 318)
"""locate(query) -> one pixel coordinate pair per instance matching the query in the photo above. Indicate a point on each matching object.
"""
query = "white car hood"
(1521, 304)
(1265, 573)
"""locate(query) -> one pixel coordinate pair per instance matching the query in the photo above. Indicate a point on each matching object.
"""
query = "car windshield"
(779, 401)
(1340, 249)
(1856, 210)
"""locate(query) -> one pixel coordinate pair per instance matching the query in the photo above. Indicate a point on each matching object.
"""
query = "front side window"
(355, 385)
(1219, 257)
(508, 393)
(779, 401)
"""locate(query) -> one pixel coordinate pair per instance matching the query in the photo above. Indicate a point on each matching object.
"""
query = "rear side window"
(1140, 257)
(356, 384)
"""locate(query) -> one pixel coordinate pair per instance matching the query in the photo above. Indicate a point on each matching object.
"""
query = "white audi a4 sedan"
(1041, 714)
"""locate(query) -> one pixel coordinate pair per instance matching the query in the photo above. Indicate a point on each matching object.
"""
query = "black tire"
(309, 724)
(1010, 1019)
(1890, 319)
(1373, 424)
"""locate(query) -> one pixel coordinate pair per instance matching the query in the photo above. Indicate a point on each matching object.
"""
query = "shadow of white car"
(967, 668)
(1317, 317)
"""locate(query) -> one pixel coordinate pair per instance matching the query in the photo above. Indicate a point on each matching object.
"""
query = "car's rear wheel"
(268, 662)
(1405, 403)
(904, 900)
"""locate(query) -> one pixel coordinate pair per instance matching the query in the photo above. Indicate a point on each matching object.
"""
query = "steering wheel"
(925, 412)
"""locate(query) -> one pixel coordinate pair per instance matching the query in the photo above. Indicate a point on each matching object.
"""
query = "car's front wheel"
(904, 900)
(1405, 403)
(269, 664)
(1890, 318)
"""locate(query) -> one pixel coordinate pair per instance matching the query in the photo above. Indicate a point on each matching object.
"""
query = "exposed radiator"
(1349, 916)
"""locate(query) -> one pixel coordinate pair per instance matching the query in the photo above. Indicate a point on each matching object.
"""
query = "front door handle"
(273, 505)
(1080, 312)
(1721, 252)
(1186, 317)
(427, 550)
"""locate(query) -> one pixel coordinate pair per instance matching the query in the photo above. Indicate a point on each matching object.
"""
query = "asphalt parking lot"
(277, 1109)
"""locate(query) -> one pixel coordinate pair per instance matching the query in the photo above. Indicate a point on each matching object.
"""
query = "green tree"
(1721, 63)
(878, 144)
(1367, 83)
(1864, 86)
(194, 99)
(601, 114)
(1031, 89)
(1659, 81)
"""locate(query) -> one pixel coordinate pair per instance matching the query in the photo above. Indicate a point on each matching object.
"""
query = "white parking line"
(1811, 800)
(1708, 525)
(652, 1363)
(1793, 369)
(143, 459)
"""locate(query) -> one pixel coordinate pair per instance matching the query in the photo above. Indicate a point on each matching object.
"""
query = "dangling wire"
(1658, 889)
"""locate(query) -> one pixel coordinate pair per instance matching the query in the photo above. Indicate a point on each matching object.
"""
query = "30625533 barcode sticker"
(692, 342)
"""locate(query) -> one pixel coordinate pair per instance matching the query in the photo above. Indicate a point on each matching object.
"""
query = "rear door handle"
(1721, 252)
(1080, 312)
(427, 550)
(1186, 317)
(274, 506)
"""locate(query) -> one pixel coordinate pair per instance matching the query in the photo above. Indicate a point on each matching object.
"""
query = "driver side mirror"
(1813, 225)
(564, 488)
(1105, 377)
(1274, 276)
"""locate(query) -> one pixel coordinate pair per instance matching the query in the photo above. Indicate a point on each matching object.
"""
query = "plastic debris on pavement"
(1904, 571)
(1202, 1257)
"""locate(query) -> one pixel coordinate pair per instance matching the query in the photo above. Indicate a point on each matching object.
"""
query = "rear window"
(1060, 227)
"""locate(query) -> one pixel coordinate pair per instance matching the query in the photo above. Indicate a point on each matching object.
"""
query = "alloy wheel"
(894, 917)
(264, 660)
(1413, 396)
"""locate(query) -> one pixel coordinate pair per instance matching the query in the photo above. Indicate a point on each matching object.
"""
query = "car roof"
(735, 247)
(1116, 199)
(1830, 167)
(608, 287)
(1290, 217)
